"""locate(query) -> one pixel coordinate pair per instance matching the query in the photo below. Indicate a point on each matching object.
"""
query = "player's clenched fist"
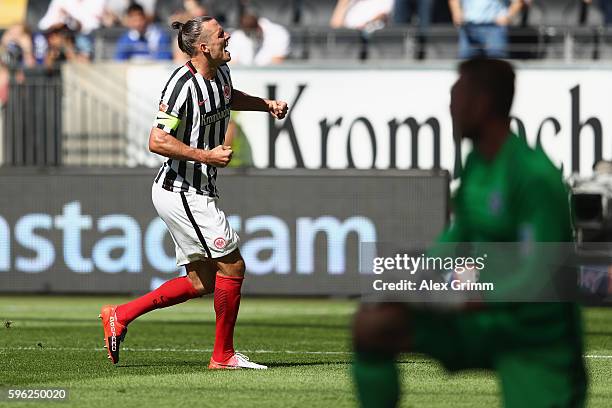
(278, 109)
(220, 156)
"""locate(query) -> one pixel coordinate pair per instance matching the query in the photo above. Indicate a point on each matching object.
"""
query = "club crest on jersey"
(227, 93)
(496, 203)
(219, 243)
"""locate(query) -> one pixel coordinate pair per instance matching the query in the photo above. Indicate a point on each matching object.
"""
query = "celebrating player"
(189, 130)
(509, 193)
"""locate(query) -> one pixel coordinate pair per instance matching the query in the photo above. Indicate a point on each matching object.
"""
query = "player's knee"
(198, 285)
(236, 268)
(240, 267)
(365, 329)
(380, 328)
(205, 289)
(231, 265)
(208, 286)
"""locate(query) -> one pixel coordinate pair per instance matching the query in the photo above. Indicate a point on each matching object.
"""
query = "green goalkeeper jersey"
(536, 347)
(518, 196)
(517, 199)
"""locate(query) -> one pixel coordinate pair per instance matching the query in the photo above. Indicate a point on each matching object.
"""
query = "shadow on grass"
(204, 365)
(270, 365)
(414, 361)
(244, 323)
(598, 332)
(308, 363)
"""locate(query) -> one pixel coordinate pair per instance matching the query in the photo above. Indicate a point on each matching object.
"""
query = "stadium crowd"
(72, 30)
(68, 28)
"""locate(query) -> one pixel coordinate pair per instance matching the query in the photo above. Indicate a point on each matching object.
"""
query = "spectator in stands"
(143, 40)
(16, 47)
(259, 41)
(606, 10)
(405, 10)
(80, 16)
(367, 15)
(483, 26)
(15, 52)
(191, 9)
(58, 45)
(5, 78)
(115, 9)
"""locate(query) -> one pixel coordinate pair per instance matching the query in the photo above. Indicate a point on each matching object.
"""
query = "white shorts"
(198, 227)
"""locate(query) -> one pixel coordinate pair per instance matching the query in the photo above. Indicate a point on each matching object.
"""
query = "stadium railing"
(74, 118)
(96, 130)
(315, 43)
(32, 119)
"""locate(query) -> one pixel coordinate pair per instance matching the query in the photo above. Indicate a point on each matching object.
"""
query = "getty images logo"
(118, 243)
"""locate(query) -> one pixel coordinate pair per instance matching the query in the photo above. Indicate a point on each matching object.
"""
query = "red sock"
(227, 302)
(175, 291)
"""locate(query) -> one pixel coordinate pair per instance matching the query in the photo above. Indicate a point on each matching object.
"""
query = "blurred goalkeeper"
(509, 193)
(189, 130)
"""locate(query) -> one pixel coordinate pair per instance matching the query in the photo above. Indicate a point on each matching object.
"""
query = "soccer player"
(509, 193)
(189, 130)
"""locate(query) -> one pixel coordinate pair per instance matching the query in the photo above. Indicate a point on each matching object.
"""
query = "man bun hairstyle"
(189, 33)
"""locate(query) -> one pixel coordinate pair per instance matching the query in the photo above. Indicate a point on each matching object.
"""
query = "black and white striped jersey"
(197, 112)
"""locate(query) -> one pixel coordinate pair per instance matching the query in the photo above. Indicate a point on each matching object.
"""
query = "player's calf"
(380, 332)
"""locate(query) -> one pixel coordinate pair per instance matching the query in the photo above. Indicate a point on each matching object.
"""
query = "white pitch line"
(175, 350)
(170, 350)
(597, 356)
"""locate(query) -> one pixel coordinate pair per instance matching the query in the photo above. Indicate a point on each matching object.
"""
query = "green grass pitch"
(57, 342)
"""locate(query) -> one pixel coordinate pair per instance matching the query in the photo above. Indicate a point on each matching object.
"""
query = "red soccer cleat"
(114, 332)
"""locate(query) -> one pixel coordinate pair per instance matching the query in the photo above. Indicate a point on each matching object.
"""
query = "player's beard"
(471, 133)
(462, 131)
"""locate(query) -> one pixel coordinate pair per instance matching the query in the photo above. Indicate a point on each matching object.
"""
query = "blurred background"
(366, 154)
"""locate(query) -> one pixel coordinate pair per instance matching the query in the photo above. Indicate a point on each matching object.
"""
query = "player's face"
(466, 108)
(217, 42)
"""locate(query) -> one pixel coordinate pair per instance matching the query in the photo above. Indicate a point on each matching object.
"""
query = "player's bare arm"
(165, 144)
(242, 101)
